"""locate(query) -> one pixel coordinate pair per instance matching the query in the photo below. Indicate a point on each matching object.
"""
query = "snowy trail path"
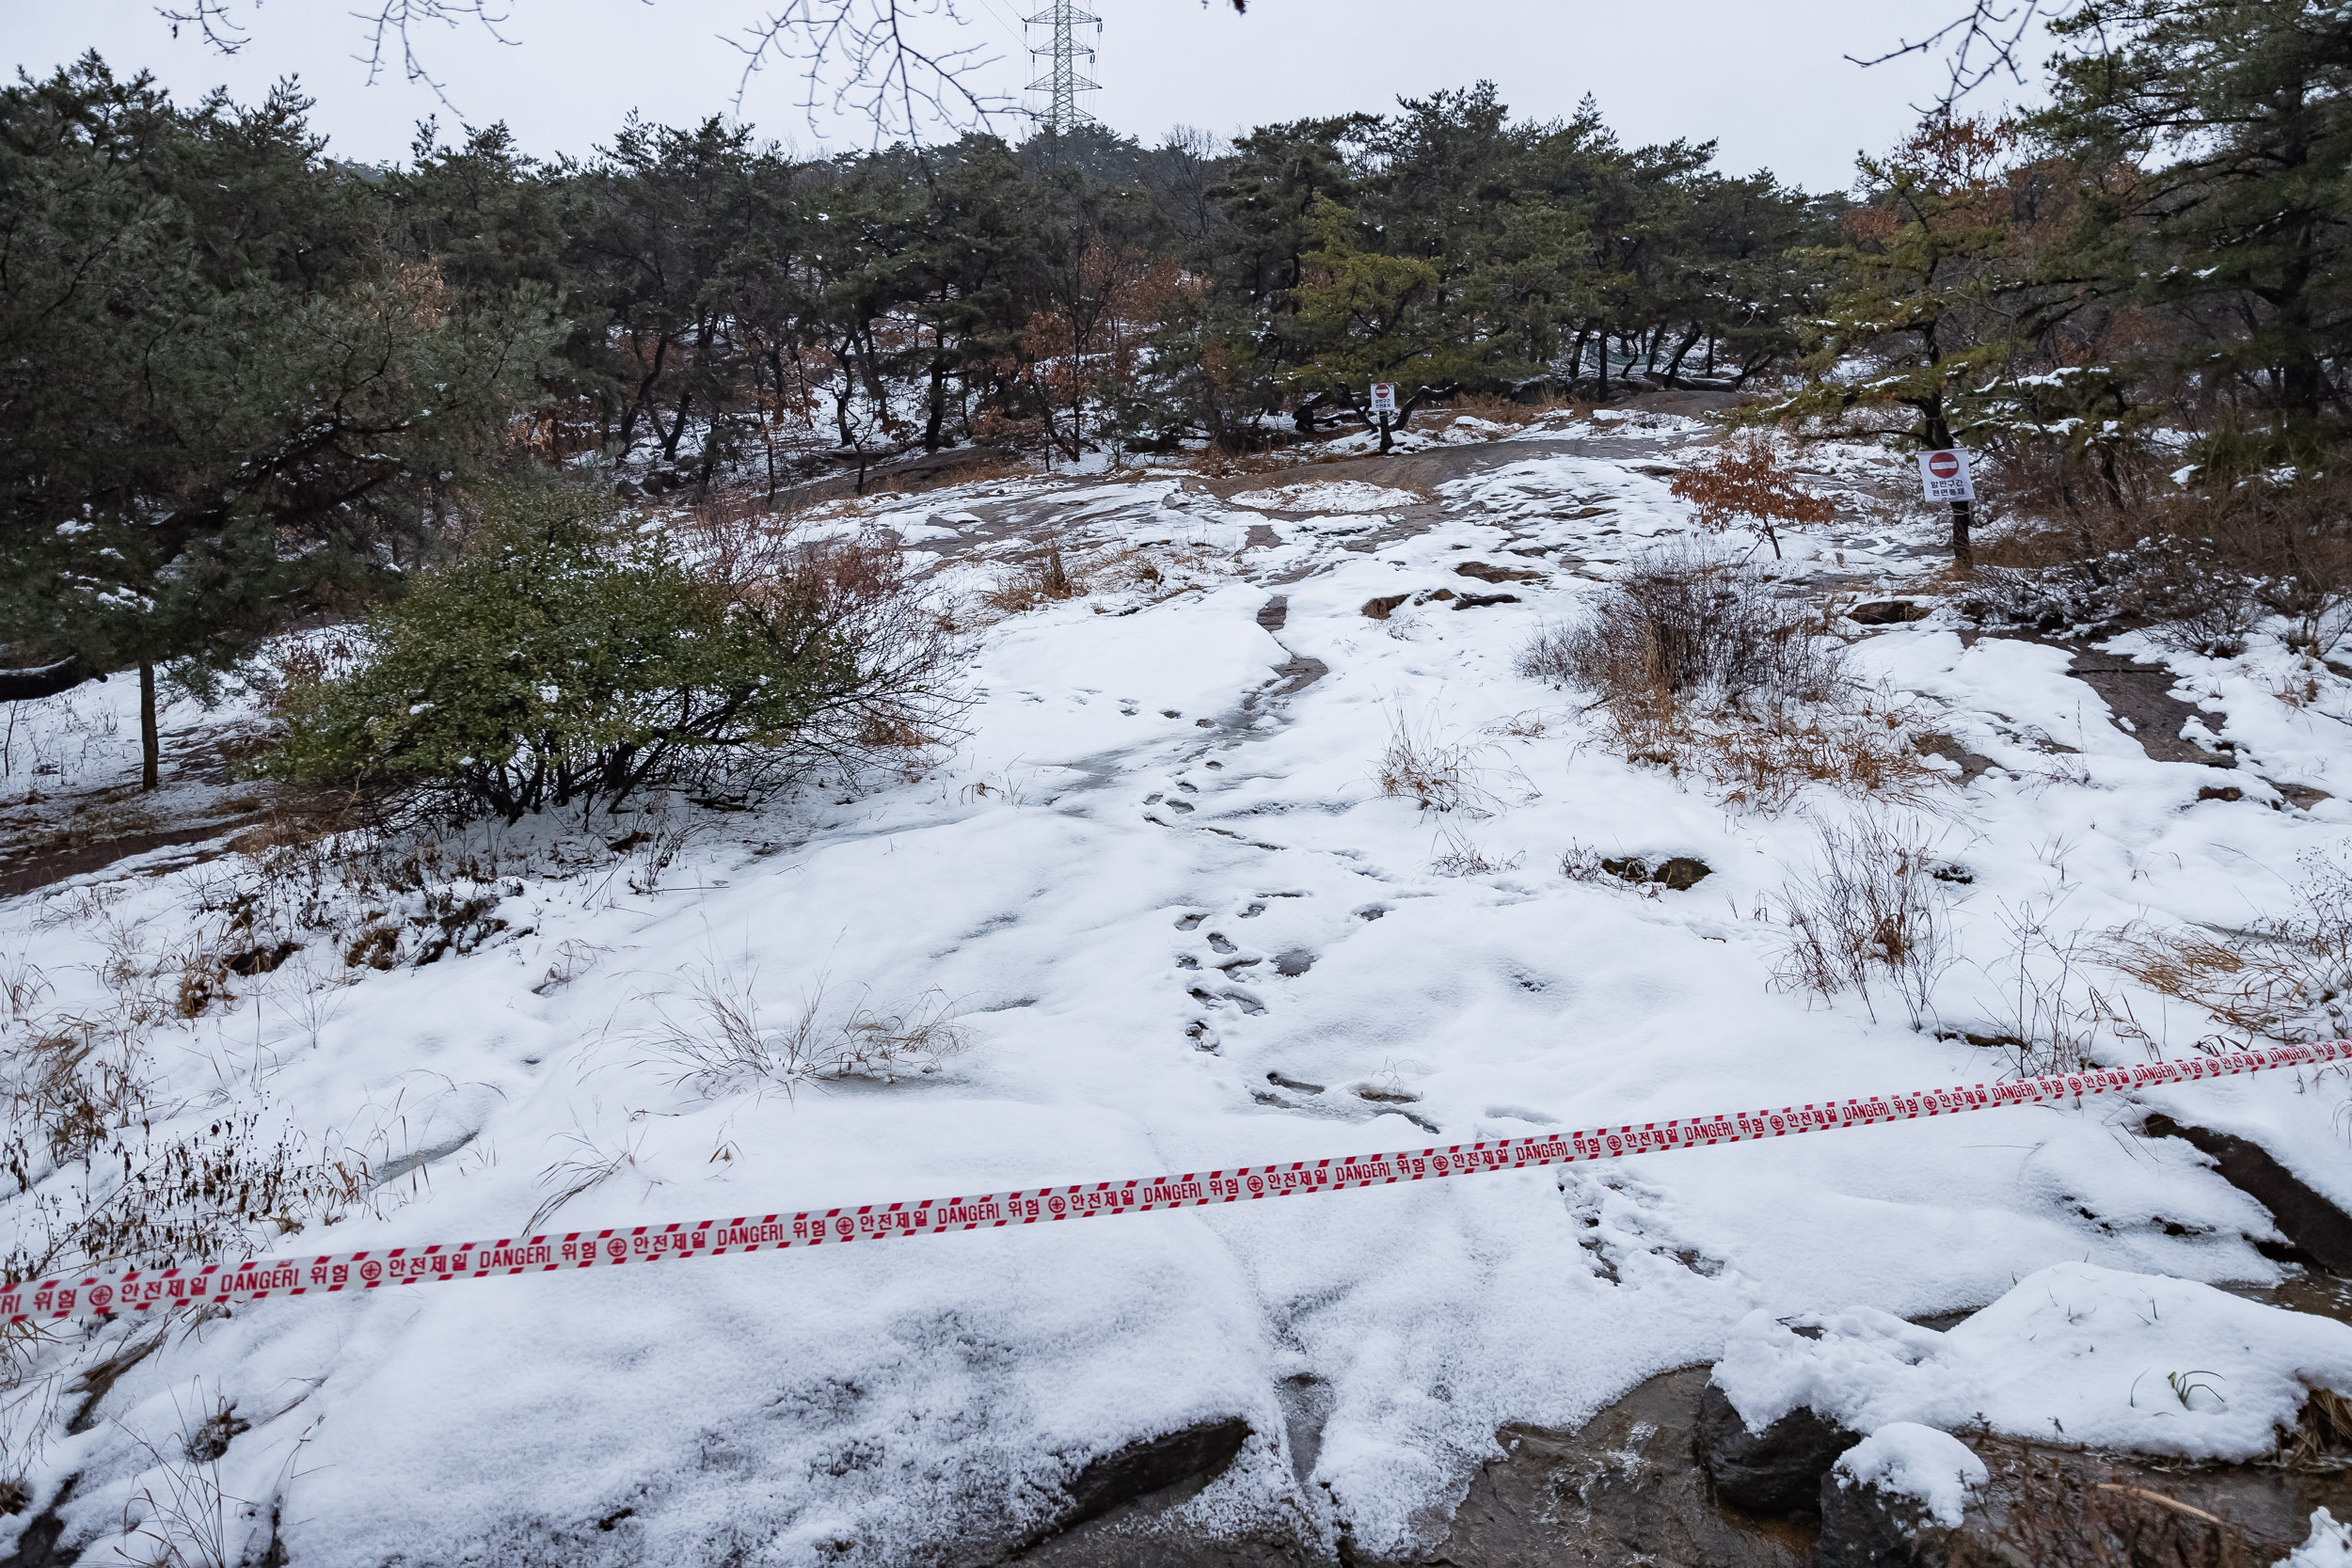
(1184, 929)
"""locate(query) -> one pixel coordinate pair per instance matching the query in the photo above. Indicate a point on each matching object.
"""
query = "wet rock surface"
(1487, 573)
(1887, 613)
(1972, 764)
(2043, 1507)
(2142, 694)
(1117, 1502)
(1625, 1488)
(1677, 874)
(2315, 1227)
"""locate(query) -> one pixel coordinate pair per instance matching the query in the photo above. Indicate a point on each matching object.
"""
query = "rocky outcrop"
(1624, 1488)
(2316, 1227)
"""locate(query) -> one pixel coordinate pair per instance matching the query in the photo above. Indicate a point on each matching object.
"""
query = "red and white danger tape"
(112, 1293)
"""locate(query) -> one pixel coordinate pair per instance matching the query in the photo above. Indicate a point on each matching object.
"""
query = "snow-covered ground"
(1177, 925)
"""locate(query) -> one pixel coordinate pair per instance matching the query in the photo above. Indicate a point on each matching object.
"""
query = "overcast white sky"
(1768, 80)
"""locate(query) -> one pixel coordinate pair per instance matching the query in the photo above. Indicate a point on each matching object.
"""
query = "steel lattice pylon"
(1062, 83)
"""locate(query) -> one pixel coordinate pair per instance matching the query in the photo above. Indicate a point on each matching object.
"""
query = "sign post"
(1944, 477)
(1383, 409)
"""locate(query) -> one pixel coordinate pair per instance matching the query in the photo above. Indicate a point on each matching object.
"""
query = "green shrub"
(564, 659)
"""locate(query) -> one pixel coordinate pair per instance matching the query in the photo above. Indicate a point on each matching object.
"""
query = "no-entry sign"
(1945, 476)
(1384, 397)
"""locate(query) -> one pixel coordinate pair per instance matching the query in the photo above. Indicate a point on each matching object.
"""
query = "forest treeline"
(245, 379)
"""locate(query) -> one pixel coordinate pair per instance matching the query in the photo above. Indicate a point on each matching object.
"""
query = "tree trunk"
(1384, 434)
(1604, 361)
(1963, 548)
(1673, 370)
(151, 744)
(935, 412)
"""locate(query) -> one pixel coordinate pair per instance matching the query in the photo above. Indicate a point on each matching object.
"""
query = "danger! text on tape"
(103, 1293)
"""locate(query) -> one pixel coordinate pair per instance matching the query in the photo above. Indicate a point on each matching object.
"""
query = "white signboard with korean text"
(1384, 397)
(1945, 476)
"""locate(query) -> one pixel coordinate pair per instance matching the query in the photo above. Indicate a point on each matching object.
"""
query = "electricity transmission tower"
(1062, 83)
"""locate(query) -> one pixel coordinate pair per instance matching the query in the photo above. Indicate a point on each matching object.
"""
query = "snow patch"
(2076, 1352)
(1918, 1462)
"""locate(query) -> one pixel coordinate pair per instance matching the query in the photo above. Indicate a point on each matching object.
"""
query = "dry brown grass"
(2273, 980)
(1045, 579)
(1459, 857)
(1498, 409)
(1704, 670)
(1058, 575)
(1764, 756)
(1435, 774)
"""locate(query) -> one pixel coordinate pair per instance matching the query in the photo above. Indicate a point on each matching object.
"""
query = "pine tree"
(1914, 326)
(217, 420)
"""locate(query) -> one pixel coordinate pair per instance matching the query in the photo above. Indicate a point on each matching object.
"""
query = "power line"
(1062, 82)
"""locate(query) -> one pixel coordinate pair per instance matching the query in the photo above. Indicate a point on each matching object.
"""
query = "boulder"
(1775, 1471)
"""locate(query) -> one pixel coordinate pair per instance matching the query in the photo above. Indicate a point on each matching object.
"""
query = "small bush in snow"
(564, 659)
(1683, 626)
(1870, 917)
(1748, 483)
(1704, 670)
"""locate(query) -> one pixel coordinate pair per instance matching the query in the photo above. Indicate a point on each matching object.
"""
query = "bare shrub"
(2278, 978)
(1433, 773)
(1870, 917)
(2200, 569)
(1704, 670)
(1685, 625)
(724, 1040)
(2051, 1015)
(157, 1198)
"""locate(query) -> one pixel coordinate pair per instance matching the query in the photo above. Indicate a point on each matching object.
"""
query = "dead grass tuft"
(721, 1040)
(1433, 773)
(1459, 857)
(1870, 917)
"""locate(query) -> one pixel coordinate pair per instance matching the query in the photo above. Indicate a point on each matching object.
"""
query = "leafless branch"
(390, 25)
(858, 56)
(1977, 46)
